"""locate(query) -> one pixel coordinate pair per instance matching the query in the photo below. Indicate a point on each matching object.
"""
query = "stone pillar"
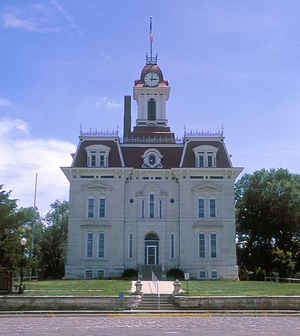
(138, 288)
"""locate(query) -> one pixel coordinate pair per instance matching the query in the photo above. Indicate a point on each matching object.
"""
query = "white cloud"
(5, 102)
(66, 16)
(21, 156)
(46, 17)
(33, 24)
(8, 126)
(11, 21)
(105, 102)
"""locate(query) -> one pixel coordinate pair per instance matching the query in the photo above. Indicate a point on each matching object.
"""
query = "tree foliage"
(268, 218)
(53, 240)
(10, 230)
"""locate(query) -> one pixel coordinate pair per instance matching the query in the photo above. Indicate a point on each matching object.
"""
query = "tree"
(268, 217)
(32, 230)
(10, 231)
(53, 242)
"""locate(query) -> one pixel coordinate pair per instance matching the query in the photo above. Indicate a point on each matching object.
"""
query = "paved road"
(148, 326)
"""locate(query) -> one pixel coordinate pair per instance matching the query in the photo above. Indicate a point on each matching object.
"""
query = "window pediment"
(97, 148)
(207, 187)
(96, 186)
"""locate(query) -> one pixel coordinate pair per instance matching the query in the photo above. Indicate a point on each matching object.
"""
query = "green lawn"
(77, 287)
(195, 288)
(240, 288)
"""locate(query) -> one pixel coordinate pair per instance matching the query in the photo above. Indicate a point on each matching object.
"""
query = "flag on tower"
(151, 36)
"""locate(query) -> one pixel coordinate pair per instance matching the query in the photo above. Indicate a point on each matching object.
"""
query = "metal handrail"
(156, 280)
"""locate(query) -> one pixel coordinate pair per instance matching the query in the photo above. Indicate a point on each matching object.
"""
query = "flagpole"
(151, 38)
(33, 221)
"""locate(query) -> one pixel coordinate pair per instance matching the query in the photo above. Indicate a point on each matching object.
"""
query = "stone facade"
(148, 200)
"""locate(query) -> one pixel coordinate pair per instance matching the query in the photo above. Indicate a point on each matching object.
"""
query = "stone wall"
(238, 302)
(8, 302)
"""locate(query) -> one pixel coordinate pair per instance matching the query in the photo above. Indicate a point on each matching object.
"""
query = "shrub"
(175, 273)
(243, 274)
(130, 274)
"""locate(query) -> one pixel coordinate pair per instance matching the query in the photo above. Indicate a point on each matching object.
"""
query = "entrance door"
(151, 256)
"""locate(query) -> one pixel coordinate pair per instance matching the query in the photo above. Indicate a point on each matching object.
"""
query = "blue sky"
(70, 62)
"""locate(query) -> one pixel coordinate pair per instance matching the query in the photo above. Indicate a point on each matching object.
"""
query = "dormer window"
(97, 156)
(205, 156)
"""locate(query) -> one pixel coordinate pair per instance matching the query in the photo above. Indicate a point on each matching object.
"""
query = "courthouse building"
(149, 200)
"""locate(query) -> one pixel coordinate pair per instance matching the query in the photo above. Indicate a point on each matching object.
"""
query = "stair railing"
(156, 282)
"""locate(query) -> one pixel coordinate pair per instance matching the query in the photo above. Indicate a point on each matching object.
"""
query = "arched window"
(151, 109)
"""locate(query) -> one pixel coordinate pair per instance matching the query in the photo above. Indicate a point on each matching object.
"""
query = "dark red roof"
(221, 160)
(132, 154)
(114, 159)
(151, 68)
(171, 156)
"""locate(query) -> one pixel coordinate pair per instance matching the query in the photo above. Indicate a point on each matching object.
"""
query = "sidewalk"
(150, 287)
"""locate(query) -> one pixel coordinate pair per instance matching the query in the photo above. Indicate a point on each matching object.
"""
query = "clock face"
(151, 79)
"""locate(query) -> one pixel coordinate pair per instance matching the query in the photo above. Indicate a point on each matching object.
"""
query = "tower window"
(151, 109)
(151, 206)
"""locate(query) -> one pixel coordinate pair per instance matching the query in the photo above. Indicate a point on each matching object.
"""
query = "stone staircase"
(152, 302)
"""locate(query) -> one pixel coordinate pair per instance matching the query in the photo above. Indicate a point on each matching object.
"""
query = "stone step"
(153, 302)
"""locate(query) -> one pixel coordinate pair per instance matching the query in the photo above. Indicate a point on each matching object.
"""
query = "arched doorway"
(151, 249)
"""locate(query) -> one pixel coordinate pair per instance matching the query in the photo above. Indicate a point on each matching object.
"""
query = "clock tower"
(151, 93)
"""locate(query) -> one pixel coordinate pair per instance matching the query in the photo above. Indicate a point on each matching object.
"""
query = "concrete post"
(177, 287)
(138, 287)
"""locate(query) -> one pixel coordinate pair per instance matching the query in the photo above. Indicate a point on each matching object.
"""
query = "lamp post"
(21, 287)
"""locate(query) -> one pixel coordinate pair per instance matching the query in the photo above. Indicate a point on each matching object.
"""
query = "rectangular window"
(214, 275)
(212, 208)
(102, 160)
(151, 206)
(91, 207)
(209, 160)
(143, 208)
(160, 208)
(93, 159)
(130, 245)
(101, 245)
(90, 240)
(102, 207)
(202, 275)
(201, 160)
(201, 245)
(213, 245)
(89, 275)
(201, 208)
(172, 254)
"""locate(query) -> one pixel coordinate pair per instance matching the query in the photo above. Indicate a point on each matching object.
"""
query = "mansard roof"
(172, 153)
(222, 160)
(80, 159)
